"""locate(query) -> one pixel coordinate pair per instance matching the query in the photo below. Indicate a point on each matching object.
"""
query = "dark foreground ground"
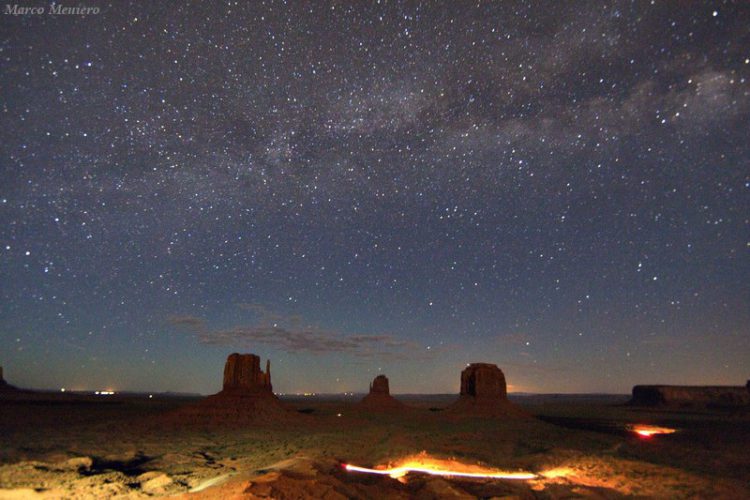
(56, 446)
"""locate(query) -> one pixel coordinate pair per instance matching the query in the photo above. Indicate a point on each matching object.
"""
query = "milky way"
(350, 187)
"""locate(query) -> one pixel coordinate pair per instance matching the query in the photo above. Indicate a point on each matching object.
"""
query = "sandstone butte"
(246, 397)
(379, 397)
(484, 392)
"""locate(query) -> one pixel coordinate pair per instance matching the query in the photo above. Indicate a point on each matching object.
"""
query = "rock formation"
(246, 397)
(483, 381)
(483, 391)
(5, 386)
(686, 396)
(380, 396)
(380, 385)
(242, 375)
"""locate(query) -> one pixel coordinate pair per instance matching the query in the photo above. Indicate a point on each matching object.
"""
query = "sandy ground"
(71, 447)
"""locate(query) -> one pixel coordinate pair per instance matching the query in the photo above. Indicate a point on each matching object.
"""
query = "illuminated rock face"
(483, 381)
(242, 374)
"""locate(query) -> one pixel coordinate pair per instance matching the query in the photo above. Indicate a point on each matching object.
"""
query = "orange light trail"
(398, 472)
(646, 431)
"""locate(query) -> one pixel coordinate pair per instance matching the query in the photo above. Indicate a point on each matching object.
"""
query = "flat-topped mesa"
(242, 375)
(380, 395)
(716, 396)
(484, 381)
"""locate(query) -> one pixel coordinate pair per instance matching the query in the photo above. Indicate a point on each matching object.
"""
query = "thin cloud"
(304, 340)
(187, 321)
(287, 333)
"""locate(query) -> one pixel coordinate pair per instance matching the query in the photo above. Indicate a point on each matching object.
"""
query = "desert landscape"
(374, 249)
(245, 442)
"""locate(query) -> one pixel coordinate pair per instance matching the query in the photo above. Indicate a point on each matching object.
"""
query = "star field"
(350, 188)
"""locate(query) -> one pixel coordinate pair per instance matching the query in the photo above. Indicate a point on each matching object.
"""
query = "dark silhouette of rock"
(380, 385)
(246, 397)
(242, 374)
(484, 391)
(5, 386)
(686, 396)
(380, 396)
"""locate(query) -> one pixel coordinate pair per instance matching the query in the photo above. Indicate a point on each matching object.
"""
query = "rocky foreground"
(245, 442)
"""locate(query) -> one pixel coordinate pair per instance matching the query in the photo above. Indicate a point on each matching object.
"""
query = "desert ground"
(76, 446)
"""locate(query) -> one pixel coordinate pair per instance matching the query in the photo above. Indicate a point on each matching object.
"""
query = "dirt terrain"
(68, 446)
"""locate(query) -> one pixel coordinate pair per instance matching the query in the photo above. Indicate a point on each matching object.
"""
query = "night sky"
(349, 188)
